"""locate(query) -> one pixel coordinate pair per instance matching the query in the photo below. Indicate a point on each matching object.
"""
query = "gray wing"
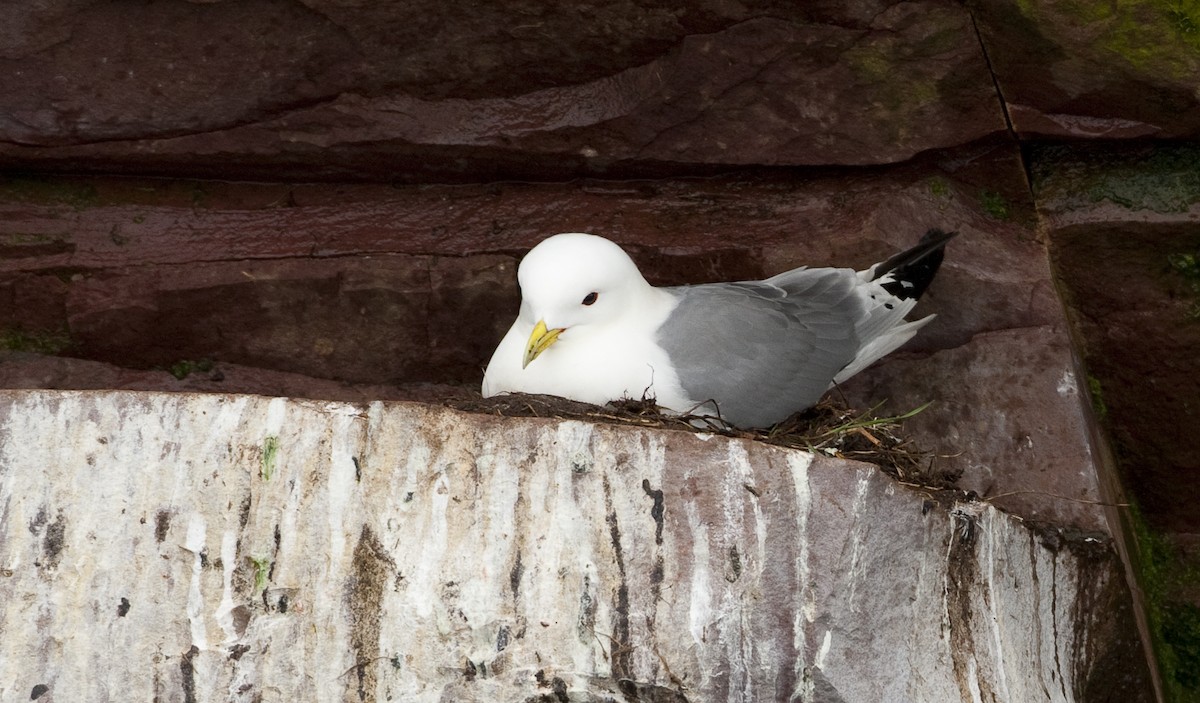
(763, 349)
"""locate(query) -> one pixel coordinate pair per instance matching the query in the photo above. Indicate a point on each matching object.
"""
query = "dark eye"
(590, 298)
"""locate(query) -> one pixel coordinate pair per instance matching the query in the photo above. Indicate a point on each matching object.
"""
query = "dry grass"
(830, 428)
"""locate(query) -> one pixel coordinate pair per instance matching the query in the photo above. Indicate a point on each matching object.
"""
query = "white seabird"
(592, 329)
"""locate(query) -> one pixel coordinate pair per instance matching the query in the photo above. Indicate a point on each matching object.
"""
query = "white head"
(575, 280)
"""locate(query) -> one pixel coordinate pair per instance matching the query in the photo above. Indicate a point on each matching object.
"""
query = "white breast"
(591, 364)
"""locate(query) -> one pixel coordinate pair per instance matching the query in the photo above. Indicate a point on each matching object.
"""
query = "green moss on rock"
(1181, 632)
(939, 187)
(1154, 38)
(52, 191)
(1097, 394)
(50, 342)
(19, 239)
(184, 367)
(1151, 36)
(270, 455)
(1174, 622)
(1187, 267)
(262, 567)
(1163, 178)
(995, 205)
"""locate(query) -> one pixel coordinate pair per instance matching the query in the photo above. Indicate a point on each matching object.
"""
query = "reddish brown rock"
(1142, 346)
(1006, 415)
(1121, 223)
(1095, 70)
(270, 89)
(25, 370)
(371, 283)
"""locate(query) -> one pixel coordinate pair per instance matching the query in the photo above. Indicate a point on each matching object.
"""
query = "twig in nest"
(829, 427)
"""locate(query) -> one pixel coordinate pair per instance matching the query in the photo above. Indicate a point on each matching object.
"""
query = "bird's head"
(574, 281)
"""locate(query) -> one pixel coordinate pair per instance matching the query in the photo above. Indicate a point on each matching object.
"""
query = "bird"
(749, 353)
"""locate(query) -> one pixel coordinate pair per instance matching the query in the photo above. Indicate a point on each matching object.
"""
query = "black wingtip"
(913, 269)
(936, 237)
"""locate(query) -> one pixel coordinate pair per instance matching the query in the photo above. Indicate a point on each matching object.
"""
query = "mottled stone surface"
(271, 89)
(1095, 70)
(192, 547)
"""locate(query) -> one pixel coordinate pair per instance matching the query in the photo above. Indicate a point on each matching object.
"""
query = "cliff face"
(268, 89)
(336, 90)
(327, 200)
(201, 547)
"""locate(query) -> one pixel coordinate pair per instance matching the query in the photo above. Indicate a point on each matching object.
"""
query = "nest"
(830, 427)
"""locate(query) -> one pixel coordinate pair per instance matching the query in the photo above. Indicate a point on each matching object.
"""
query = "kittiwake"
(752, 353)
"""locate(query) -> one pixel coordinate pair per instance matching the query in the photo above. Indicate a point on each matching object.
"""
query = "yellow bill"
(539, 341)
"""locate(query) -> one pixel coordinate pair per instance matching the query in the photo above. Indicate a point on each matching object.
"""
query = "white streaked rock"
(280, 550)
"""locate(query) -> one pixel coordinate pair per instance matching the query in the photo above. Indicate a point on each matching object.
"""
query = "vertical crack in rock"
(4, 514)
(987, 60)
(1008, 123)
(656, 574)
(587, 611)
(962, 579)
(735, 565)
(371, 569)
(245, 571)
(1039, 636)
(514, 576)
(1054, 623)
(270, 575)
(162, 523)
(620, 653)
(656, 512)
(188, 669)
(1081, 610)
(244, 511)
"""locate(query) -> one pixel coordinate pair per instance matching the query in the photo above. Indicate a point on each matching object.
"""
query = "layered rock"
(269, 89)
